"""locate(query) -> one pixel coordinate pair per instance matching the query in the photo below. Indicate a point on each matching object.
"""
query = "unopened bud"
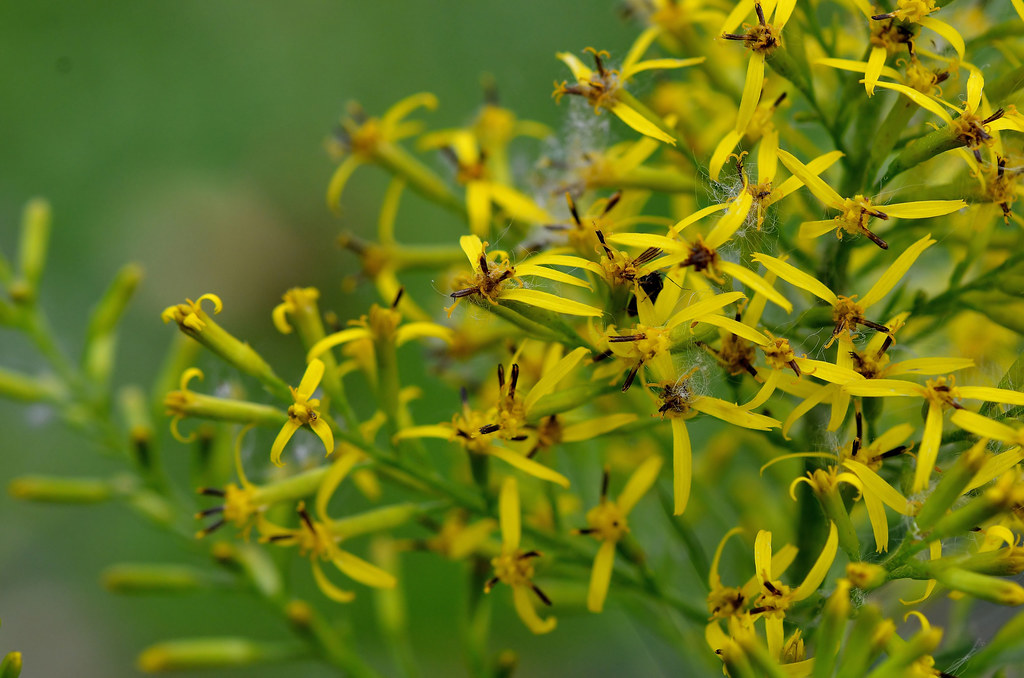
(213, 653)
(61, 490)
(153, 578)
(10, 667)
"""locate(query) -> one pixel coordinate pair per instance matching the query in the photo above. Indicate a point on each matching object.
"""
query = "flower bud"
(101, 338)
(1001, 591)
(61, 490)
(153, 578)
(29, 389)
(35, 240)
(10, 667)
(211, 653)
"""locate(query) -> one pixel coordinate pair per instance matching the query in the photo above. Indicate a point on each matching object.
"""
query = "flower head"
(304, 411)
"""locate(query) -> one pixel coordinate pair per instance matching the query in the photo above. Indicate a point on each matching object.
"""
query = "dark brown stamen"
(604, 483)
(490, 428)
(630, 377)
(882, 17)
(501, 376)
(855, 445)
(873, 325)
(304, 514)
(513, 381)
(467, 292)
(540, 594)
(796, 368)
(212, 528)
(647, 255)
(483, 265)
(875, 239)
(210, 511)
(210, 492)
(464, 396)
(894, 452)
(612, 202)
(462, 434)
(529, 554)
(995, 116)
(885, 346)
(572, 209)
(519, 439)
(398, 297)
(624, 338)
(771, 587)
(603, 355)
(600, 237)
(760, 13)
(586, 530)
(278, 537)
(490, 584)
(780, 99)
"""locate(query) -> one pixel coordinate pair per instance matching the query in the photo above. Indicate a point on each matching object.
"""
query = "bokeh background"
(189, 137)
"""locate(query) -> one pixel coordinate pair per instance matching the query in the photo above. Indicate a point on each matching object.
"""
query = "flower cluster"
(629, 319)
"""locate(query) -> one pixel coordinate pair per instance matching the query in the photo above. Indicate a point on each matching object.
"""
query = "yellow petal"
(280, 317)
(721, 154)
(578, 68)
(310, 380)
(287, 431)
(928, 366)
(433, 431)
(682, 465)
(419, 330)
(518, 205)
(795, 276)
(879, 522)
(639, 48)
(550, 302)
(703, 307)
(550, 274)
(714, 580)
(592, 428)
(922, 100)
(652, 64)
(763, 556)
(739, 10)
(983, 426)
(928, 453)
(552, 376)
(783, 11)
(647, 240)
(774, 635)
(478, 206)
(396, 113)
(876, 486)
(328, 588)
(335, 475)
(876, 62)
(338, 181)
(751, 92)
(734, 414)
(811, 180)
(794, 183)
(768, 156)
(640, 123)
(734, 326)
(473, 247)
(898, 269)
(755, 283)
(336, 339)
(935, 552)
(816, 229)
(992, 395)
(323, 431)
(922, 209)
(730, 221)
(834, 374)
(821, 566)
(1019, 6)
(527, 613)
(601, 576)
(697, 216)
(508, 514)
(362, 571)
(765, 392)
(995, 467)
(642, 479)
(565, 260)
(527, 465)
(883, 388)
(951, 36)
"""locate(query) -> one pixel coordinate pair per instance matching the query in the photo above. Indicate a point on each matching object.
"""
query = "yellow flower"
(761, 39)
(776, 598)
(363, 139)
(318, 539)
(190, 316)
(976, 125)
(607, 523)
(304, 411)
(471, 427)
(848, 312)
(494, 281)
(940, 394)
(513, 566)
(603, 87)
(857, 212)
(483, 190)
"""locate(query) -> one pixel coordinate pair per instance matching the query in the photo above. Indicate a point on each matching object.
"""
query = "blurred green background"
(188, 137)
